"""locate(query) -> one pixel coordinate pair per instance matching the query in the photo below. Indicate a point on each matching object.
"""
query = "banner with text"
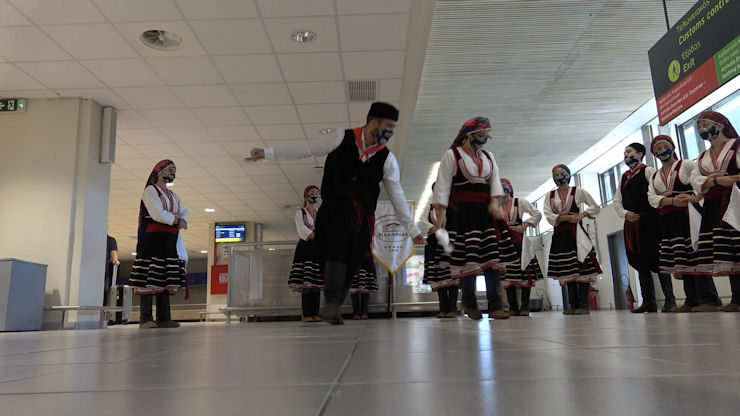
(699, 54)
(392, 245)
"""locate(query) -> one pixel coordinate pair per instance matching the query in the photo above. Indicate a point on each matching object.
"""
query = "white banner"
(392, 245)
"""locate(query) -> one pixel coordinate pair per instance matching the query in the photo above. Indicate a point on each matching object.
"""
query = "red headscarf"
(505, 182)
(308, 189)
(160, 166)
(661, 138)
(718, 118)
(471, 126)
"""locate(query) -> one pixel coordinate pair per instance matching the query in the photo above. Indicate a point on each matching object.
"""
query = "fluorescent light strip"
(427, 194)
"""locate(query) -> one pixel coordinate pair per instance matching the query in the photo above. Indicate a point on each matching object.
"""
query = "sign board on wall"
(392, 245)
(700, 53)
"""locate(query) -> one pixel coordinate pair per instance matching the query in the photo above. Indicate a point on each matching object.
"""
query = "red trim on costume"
(365, 155)
(156, 227)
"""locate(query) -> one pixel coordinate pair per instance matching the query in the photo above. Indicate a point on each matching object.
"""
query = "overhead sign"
(13, 104)
(700, 53)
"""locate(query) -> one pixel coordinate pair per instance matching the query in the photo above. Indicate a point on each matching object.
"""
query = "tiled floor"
(609, 363)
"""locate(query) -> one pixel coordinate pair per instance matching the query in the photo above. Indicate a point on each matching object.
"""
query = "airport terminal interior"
(137, 129)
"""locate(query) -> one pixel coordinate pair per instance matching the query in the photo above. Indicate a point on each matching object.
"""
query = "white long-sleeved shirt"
(713, 166)
(164, 209)
(424, 222)
(304, 227)
(661, 186)
(448, 167)
(554, 207)
(325, 144)
(510, 214)
(618, 193)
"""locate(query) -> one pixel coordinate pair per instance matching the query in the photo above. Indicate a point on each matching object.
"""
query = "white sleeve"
(497, 190)
(618, 202)
(535, 216)
(653, 197)
(317, 147)
(686, 174)
(424, 221)
(443, 185)
(551, 217)
(697, 179)
(303, 230)
(392, 183)
(154, 205)
(583, 197)
(182, 211)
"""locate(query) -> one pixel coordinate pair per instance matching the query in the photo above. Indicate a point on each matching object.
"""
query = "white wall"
(54, 197)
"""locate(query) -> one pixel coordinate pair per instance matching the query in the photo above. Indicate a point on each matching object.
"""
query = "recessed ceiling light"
(303, 36)
(326, 130)
(133, 254)
(162, 40)
(204, 251)
(271, 249)
(209, 210)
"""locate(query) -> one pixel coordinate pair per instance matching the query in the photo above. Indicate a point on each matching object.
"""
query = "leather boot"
(667, 285)
(335, 274)
(524, 310)
(364, 305)
(355, 306)
(648, 293)
(583, 289)
(306, 305)
(513, 301)
(442, 295)
(572, 298)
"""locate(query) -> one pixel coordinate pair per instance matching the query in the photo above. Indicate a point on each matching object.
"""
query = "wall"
(54, 205)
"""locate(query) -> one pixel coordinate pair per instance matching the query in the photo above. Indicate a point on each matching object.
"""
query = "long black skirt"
(563, 264)
(306, 271)
(514, 275)
(365, 279)
(677, 256)
(719, 244)
(435, 276)
(157, 267)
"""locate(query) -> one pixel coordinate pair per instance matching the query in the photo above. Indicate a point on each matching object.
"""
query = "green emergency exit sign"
(17, 105)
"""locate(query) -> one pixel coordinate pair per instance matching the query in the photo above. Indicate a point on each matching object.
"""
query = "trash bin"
(22, 287)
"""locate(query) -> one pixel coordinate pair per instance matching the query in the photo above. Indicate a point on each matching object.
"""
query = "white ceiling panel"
(234, 133)
(29, 43)
(91, 41)
(132, 33)
(262, 94)
(226, 171)
(221, 116)
(123, 72)
(240, 149)
(102, 96)
(59, 11)
(142, 136)
(227, 36)
(323, 113)
(390, 89)
(217, 9)
(272, 114)
(124, 151)
(203, 149)
(206, 95)
(171, 117)
(372, 7)
(318, 92)
(136, 164)
(186, 70)
(365, 33)
(10, 16)
(150, 97)
(58, 75)
(219, 161)
(131, 120)
(25, 93)
(313, 130)
(160, 151)
(358, 111)
(12, 78)
(311, 67)
(188, 134)
(373, 65)
(284, 8)
(249, 68)
(132, 10)
(280, 132)
(325, 28)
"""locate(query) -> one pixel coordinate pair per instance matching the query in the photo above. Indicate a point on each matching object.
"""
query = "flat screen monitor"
(229, 233)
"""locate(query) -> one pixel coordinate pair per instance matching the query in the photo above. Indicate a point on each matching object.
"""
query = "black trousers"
(735, 287)
(469, 299)
(360, 303)
(647, 288)
(163, 307)
(448, 299)
(514, 302)
(578, 295)
(310, 300)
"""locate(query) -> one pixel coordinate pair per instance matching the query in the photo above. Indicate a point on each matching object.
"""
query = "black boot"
(335, 275)
(513, 301)
(583, 289)
(364, 305)
(452, 301)
(648, 293)
(355, 306)
(306, 297)
(524, 310)
(572, 288)
(315, 304)
(669, 305)
(442, 295)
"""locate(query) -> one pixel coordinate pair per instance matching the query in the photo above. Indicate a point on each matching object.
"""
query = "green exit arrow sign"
(17, 105)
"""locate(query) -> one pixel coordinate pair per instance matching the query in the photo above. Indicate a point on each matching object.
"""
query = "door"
(620, 277)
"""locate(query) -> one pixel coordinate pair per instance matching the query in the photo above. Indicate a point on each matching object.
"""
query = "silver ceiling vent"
(161, 40)
(361, 91)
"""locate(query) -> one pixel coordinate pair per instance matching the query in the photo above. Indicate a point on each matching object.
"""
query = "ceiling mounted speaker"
(361, 91)
(161, 40)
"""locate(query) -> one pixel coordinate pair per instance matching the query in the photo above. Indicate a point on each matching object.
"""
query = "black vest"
(634, 193)
(343, 171)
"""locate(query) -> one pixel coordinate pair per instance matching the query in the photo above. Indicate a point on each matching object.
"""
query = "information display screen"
(229, 233)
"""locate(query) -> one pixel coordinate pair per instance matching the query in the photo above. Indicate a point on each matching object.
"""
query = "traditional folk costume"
(641, 238)
(718, 253)
(514, 277)
(305, 273)
(349, 191)
(364, 282)
(439, 278)
(465, 184)
(675, 250)
(572, 260)
(158, 269)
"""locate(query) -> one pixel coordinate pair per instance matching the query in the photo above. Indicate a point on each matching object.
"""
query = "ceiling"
(555, 76)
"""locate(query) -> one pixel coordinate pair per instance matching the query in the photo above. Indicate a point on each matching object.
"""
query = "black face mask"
(666, 155)
(383, 136)
(169, 178)
(710, 133)
(631, 161)
(312, 199)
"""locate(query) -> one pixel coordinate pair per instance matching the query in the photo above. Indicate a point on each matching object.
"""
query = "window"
(690, 143)
(609, 182)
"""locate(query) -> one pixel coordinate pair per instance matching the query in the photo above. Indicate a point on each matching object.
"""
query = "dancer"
(305, 273)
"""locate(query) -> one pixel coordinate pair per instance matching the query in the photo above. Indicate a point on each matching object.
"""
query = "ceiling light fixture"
(303, 36)
(133, 254)
(209, 210)
(203, 251)
(326, 130)
(427, 194)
